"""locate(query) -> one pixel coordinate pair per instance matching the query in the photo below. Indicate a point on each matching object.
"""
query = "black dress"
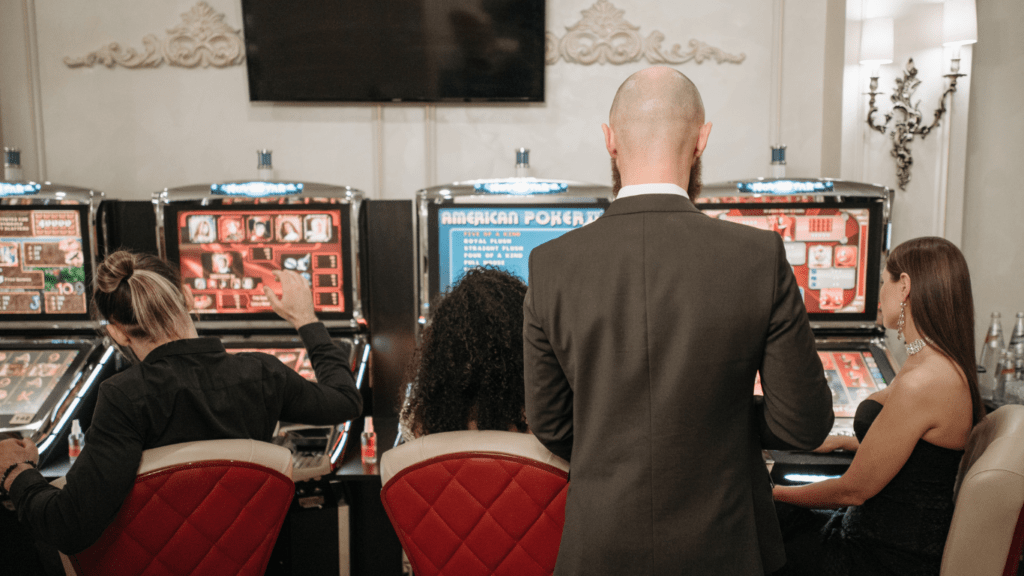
(901, 530)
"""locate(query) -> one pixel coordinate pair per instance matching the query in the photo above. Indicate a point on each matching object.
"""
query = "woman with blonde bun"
(181, 388)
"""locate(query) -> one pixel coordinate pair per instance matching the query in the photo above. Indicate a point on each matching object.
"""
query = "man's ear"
(702, 140)
(609, 141)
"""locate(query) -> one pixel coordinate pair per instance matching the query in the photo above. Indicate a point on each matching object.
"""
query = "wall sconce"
(960, 26)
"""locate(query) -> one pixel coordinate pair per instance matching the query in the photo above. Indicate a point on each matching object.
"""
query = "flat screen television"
(395, 50)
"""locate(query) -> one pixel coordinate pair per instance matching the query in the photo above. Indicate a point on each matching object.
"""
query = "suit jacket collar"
(651, 203)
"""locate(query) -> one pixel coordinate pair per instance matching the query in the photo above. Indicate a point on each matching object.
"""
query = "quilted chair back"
(987, 533)
(198, 508)
(476, 502)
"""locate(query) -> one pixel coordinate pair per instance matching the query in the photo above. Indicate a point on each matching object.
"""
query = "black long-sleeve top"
(185, 390)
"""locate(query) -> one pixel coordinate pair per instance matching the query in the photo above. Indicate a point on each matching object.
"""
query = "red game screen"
(227, 256)
(42, 263)
(295, 358)
(27, 377)
(827, 248)
(852, 376)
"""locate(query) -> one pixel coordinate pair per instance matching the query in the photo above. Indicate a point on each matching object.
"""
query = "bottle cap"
(368, 424)
(76, 428)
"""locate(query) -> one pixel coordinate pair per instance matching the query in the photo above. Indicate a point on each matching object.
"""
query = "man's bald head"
(656, 107)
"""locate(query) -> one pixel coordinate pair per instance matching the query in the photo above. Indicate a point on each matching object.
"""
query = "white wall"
(932, 204)
(130, 132)
(994, 206)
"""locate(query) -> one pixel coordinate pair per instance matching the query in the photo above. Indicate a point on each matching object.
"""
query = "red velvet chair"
(476, 502)
(198, 508)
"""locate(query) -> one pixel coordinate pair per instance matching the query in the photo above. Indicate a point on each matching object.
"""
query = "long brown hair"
(942, 302)
(142, 294)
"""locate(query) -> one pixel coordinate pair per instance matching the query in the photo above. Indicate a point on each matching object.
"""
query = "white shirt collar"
(660, 188)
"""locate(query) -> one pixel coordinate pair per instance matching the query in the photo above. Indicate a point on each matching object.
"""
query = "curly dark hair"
(469, 367)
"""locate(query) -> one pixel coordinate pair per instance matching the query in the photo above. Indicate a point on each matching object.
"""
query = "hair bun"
(116, 268)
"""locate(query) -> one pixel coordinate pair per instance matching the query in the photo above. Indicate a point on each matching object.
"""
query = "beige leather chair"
(233, 494)
(987, 533)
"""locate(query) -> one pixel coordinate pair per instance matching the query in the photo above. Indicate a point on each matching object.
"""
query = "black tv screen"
(395, 50)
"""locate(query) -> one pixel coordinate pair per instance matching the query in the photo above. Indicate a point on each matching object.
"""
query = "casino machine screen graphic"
(27, 377)
(827, 248)
(42, 263)
(294, 358)
(499, 237)
(227, 256)
(852, 376)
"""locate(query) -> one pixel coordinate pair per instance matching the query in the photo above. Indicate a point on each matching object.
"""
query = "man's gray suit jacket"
(643, 333)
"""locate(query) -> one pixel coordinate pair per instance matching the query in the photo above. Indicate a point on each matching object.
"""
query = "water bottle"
(1007, 371)
(1014, 385)
(1018, 330)
(990, 353)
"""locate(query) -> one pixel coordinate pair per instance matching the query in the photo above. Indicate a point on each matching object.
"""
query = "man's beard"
(616, 179)
(693, 187)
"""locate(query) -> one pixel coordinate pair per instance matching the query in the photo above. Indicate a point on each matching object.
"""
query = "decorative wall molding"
(202, 39)
(603, 36)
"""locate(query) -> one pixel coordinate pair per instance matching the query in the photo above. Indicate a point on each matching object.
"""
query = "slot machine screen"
(228, 253)
(44, 264)
(502, 236)
(295, 358)
(852, 376)
(833, 251)
(32, 377)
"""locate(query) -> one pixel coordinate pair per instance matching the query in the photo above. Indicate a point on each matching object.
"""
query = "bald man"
(643, 334)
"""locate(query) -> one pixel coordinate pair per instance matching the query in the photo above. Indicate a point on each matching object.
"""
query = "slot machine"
(836, 234)
(51, 356)
(228, 238)
(496, 223)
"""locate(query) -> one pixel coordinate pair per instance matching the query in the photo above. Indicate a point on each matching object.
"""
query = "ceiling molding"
(202, 39)
(603, 36)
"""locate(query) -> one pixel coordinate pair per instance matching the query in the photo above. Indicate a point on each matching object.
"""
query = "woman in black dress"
(895, 502)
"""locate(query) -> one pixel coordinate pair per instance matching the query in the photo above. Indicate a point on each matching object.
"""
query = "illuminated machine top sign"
(18, 189)
(521, 187)
(256, 189)
(784, 187)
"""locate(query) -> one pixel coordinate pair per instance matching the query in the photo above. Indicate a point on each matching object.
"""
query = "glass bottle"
(369, 442)
(990, 353)
(1007, 372)
(1018, 330)
(75, 441)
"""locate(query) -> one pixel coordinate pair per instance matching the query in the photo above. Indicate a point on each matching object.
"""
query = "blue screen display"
(501, 237)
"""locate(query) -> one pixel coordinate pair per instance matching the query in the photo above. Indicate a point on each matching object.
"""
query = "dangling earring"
(902, 321)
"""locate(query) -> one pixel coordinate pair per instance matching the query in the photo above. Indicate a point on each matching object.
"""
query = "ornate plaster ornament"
(202, 39)
(603, 36)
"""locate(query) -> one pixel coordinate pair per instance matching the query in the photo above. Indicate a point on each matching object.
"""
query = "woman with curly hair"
(467, 373)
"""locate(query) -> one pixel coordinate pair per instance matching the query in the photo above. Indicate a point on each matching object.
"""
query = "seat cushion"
(465, 514)
(212, 517)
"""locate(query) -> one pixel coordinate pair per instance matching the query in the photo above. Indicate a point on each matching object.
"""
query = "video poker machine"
(51, 355)
(836, 235)
(228, 238)
(494, 223)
